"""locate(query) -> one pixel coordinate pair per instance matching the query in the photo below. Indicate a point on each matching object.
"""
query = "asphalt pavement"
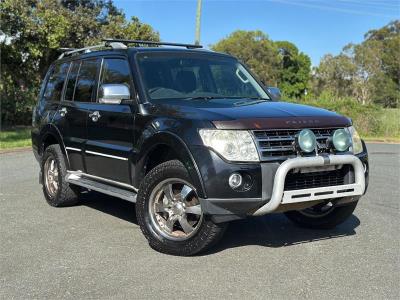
(96, 250)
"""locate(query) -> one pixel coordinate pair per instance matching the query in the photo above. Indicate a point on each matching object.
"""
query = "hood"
(247, 114)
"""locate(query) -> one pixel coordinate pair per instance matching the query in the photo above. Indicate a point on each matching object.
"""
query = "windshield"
(188, 76)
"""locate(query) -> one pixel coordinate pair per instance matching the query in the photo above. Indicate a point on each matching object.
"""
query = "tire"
(64, 194)
(171, 240)
(328, 220)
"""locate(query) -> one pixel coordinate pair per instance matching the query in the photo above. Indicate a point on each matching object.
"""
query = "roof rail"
(151, 43)
(121, 44)
(66, 49)
(72, 51)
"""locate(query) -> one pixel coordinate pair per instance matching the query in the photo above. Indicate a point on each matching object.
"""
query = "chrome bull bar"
(280, 196)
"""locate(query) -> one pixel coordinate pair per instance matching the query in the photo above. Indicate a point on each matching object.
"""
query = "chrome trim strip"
(73, 149)
(280, 196)
(230, 199)
(106, 155)
(124, 185)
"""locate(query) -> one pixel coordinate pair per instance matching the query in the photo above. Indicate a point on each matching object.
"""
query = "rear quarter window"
(55, 82)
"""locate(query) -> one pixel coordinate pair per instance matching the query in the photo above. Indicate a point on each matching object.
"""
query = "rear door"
(72, 115)
(50, 99)
(110, 135)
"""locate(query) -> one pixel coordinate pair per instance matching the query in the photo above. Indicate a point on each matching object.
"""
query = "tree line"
(33, 31)
(368, 73)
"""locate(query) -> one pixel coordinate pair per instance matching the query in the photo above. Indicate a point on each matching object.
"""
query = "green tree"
(335, 75)
(369, 71)
(275, 63)
(294, 72)
(34, 30)
(256, 50)
(119, 27)
(386, 82)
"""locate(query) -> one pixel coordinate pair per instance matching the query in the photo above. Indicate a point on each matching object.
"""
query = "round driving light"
(235, 180)
(341, 140)
(306, 140)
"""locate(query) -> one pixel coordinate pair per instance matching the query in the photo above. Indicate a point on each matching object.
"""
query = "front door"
(110, 128)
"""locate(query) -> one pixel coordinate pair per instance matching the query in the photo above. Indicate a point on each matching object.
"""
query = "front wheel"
(169, 212)
(322, 216)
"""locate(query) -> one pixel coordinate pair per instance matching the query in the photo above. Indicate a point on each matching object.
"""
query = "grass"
(382, 125)
(15, 138)
(390, 123)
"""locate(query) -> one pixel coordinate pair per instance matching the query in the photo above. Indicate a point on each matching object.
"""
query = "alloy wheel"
(51, 179)
(175, 209)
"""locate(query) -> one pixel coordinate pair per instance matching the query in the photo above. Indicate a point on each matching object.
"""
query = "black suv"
(194, 139)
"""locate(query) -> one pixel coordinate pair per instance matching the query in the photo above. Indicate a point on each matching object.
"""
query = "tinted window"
(115, 71)
(86, 81)
(73, 74)
(229, 81)
(190, 77)
(56, 82)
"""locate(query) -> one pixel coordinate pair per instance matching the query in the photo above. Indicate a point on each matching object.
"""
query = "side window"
(55, 83)
(85, 84)
(70, 87)
(115, 71)
(44, 84)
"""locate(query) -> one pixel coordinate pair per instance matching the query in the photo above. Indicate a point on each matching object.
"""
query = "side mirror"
(113, 93)
(275, 92)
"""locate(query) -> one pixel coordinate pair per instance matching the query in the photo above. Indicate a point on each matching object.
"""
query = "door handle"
(63, 111)
(95, 116)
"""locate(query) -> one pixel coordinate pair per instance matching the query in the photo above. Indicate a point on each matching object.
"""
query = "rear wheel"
(322, 216)
(56, 190)
(169, 212)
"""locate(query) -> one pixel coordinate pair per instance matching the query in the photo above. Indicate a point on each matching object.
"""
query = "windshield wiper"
(257, 98)
(203, 98)
(224, 97)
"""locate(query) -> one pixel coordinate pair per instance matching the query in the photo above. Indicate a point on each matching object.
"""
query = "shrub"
(369, 119)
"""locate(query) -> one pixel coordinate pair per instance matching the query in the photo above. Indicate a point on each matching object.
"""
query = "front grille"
(279, 144)
(299, 181)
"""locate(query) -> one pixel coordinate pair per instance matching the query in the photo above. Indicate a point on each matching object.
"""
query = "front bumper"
(273, 194)
(280, 196)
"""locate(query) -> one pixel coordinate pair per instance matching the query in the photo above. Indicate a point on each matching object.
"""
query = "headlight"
(233, 145)
(356, 141)
(306, 140)
(341, 139)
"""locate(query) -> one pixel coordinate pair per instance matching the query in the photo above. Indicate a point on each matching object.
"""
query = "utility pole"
(198, 17)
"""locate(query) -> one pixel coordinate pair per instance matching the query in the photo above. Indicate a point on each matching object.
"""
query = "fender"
(52, 130)
(167, 138)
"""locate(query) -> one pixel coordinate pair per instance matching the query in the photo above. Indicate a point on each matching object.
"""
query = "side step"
(95, 185)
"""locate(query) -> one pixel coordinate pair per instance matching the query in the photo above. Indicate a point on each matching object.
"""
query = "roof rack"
(72, 51)
(151, 43)
(121, 44)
